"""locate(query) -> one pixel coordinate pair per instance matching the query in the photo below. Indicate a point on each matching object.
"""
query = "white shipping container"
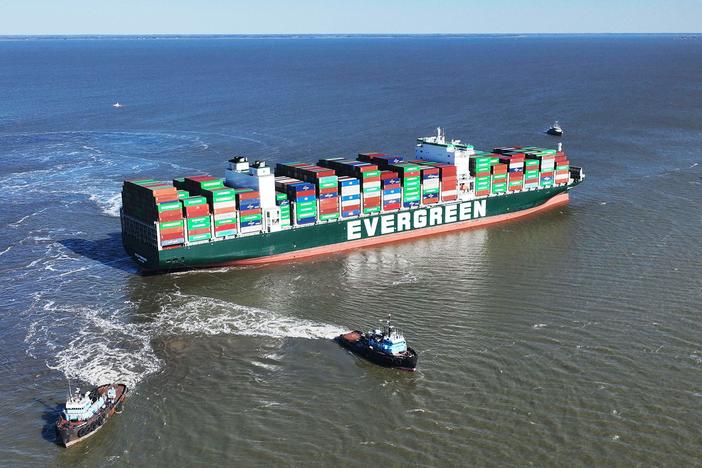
(228, 204)
(394, 196)
(353, 190)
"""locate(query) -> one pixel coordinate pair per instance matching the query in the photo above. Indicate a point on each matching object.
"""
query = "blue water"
(570, 338)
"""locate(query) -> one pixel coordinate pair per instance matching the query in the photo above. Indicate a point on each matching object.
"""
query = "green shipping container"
(171, 224)
(327, 217)
(193, 201)
(212, 184)
(169, 206)
(199, 221)
(366, 175)
(252, 217)
(200, 237)
(328, 182)
(372, 209)
(183, 194)
(224, 222)
(280, 196)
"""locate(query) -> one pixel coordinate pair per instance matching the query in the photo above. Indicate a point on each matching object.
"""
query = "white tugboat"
(555, 129)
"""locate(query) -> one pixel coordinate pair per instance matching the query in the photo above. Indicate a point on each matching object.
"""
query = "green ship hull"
(329, 237)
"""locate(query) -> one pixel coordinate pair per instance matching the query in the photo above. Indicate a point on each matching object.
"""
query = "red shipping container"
(328, 190)
(449, 197)
(249, 195)
(412, 174)
(192, 232)
(306, 193)
(172, 215)
(391, 206)
(171, 236)
(250, 212)
(176, 230)
(225, 227)
(196, 211)
(392, 186)
(430, 201)
(385, 175)
(499, 169)
(515, 176)
(531, 181)
(329, 201)
(480, 193)
(368, 168)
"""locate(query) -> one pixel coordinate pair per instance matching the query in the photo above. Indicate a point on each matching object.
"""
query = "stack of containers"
(368, 175)
(303, 195)
(325, 181)
(562, 173)
(328, 191)
(151, 201)
(350, 190)
(515, 162)
(548, 165)
(197, 218)
(498, 178)
(222, 203)
(430, 185)
(449, 180)
(281, 200)
(531, 173)
(248, 202)
(410, 175)
(392, 190)
(480, 168)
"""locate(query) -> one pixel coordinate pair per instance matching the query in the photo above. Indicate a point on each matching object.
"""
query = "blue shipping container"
(349, 182)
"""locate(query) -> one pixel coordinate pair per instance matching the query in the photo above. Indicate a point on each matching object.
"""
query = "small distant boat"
(555, 129)
(84, 414)
(386, 347)
(117, 105)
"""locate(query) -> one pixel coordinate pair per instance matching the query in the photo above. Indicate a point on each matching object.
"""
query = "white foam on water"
(95, 345)
(108, 205)
(100, 347)
(203, 315)
(539, 325)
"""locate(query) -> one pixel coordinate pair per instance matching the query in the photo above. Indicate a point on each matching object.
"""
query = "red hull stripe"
(558, 200)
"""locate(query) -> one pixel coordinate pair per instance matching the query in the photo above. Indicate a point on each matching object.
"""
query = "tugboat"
(85, 414)
(555, 129)
(386, 347)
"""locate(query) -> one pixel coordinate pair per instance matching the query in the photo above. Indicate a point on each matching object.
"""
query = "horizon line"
(396, 34)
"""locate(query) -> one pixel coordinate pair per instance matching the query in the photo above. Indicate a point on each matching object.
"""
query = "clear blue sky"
(350, 16)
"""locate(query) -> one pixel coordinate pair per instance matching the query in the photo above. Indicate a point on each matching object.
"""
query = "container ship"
(255, 215)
